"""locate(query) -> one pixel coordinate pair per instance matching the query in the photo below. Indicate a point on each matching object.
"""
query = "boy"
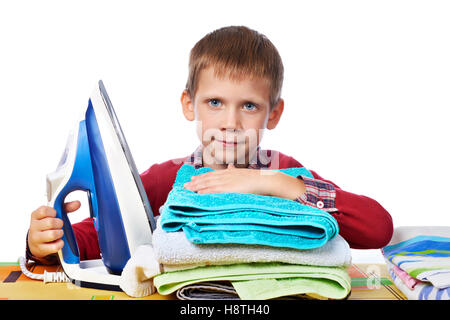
(233, 92)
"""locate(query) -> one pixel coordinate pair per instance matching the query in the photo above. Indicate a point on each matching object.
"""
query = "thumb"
(72, 206)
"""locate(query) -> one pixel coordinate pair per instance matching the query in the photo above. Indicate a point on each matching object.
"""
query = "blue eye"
(214, 103)
(249, 106)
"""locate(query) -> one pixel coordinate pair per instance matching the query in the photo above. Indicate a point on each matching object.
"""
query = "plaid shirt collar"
(262, 159)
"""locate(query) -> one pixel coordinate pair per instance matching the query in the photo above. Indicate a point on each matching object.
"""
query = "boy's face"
(231, 116)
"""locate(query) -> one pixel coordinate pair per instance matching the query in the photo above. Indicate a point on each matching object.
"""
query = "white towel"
(136, 279)
(175, 251)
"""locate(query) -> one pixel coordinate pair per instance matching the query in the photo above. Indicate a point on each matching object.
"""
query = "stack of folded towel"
(241, 246)
(255, 271)
(418, 260)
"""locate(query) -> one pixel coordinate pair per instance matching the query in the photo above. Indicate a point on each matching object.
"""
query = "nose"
(231, 120)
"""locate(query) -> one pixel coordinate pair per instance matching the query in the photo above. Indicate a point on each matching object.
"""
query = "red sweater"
(362, 221)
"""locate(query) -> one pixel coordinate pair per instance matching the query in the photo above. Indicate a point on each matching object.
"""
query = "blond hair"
(236, 52)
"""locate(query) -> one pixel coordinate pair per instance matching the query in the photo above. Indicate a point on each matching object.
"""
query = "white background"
(367, 92)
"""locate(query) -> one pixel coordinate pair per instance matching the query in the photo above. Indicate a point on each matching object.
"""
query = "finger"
(214, 189)
(43, 212)
(191, 186)
(46, 211)
(49, 248)
(49, 236)
(205, 175)
(209, 176)
(194, 186)
(188, 186)
(47, 224)
(231, 166)
(204, 182)
(72, 206)
(212, 185)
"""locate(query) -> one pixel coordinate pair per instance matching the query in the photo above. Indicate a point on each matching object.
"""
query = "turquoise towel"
(245, 218)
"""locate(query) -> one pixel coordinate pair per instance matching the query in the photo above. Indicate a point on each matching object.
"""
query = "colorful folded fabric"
(409, 281)
(424, 257)
(420, 291)
(253, 281)
(419, 260)
(245, 218)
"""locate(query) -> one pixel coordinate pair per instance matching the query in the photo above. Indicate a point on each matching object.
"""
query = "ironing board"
(369, 282)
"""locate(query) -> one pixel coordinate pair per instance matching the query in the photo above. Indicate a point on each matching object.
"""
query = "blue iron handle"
(80, 179)
(70, 251)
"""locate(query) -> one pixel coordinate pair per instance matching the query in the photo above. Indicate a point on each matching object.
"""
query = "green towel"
(256, 281)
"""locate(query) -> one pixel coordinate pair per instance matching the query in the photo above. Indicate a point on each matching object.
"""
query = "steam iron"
(97, 160)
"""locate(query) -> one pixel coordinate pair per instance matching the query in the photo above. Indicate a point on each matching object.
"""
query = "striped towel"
(420, 291)
(423, 253)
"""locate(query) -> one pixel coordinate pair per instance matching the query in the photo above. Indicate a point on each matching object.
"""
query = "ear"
(275, 115)
(188, 106)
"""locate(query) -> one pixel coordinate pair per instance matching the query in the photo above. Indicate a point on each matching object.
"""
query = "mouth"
(228, 143)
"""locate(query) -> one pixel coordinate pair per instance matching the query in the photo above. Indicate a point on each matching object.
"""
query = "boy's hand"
(44, 235)
(273, 183)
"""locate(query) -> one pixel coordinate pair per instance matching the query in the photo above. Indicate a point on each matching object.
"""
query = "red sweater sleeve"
(87, 241)
(158, 181)
(362, 221)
